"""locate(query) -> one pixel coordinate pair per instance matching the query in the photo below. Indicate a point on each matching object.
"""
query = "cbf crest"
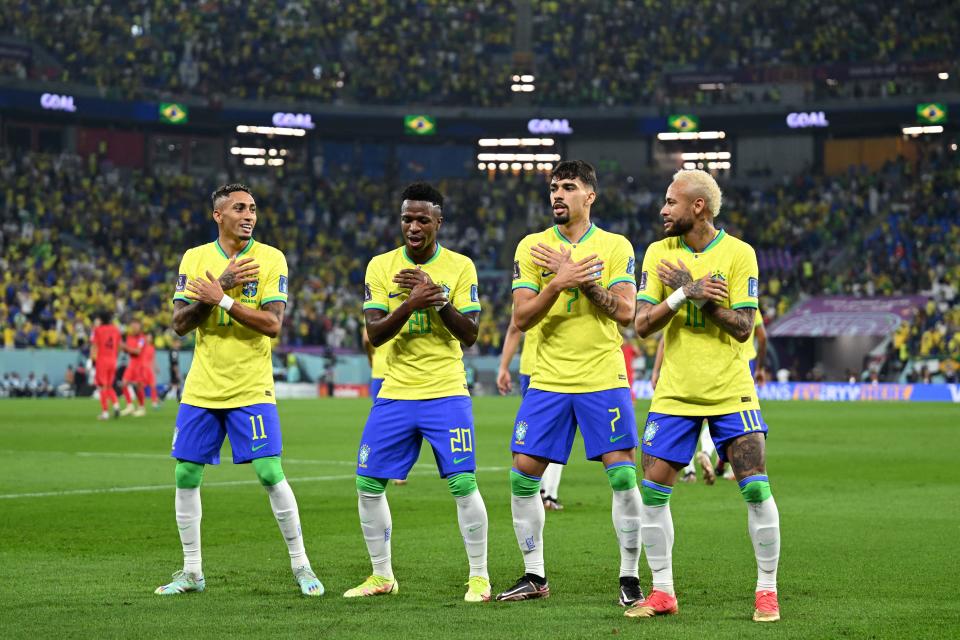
(649, 432)
(364, 454)
(250, 289)
(520, 432)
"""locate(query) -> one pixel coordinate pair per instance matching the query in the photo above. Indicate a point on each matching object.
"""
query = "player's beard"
(562, 218)
(679, 228)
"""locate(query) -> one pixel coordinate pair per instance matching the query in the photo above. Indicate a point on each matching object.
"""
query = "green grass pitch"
(869, 497)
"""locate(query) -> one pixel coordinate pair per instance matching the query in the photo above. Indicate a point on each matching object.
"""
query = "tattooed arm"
(617, 302)
(736, 322)
(652, 317)
(267, 320)
(187, 317)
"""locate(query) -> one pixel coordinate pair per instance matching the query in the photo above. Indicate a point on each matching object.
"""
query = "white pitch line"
(222, 483)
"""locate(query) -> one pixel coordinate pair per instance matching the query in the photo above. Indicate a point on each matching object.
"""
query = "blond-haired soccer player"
(229, 389)
(574, 283)
(421, 302)
(700, 285)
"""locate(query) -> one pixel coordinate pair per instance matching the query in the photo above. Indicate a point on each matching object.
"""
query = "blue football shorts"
(254, 432)
(547, 423)
(395, 429)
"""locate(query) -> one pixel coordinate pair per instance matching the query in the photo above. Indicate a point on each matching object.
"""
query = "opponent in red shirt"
(148, 369)
(103, 351)
(133, 376)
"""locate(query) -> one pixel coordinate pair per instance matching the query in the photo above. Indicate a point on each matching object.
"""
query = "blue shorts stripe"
(622, 464)
(750, 479)
(526, 475)
(650, 484)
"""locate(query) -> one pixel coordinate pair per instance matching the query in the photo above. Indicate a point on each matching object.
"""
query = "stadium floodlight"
(255, 162)
(515, 142)
(248, 151)
(518, 157)
(276, 162)
(711, 86)
(526, 78)
(953, 147)
(482, 166)
(917, 131)
(504, 166)
(692, 135)
(271, 131)
(708, 155)
(943, 75)
(718, 165)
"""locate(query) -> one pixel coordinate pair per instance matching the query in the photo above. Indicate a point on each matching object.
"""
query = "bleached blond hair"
(700, 184)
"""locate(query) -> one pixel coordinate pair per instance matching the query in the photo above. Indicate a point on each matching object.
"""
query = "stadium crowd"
(461, 53)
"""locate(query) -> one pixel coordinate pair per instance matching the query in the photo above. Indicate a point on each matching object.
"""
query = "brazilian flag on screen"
(683, 122)
(173, 113)
(420, 125)
(931, 113)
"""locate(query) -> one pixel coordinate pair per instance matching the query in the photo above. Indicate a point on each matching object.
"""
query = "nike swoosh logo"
(545, 274)
(647, 546)
(184, 528)
(459, 460)
(764, 545)
(614, 439)
(258, 447)
(394, 295)
(472, 529)
(630, 530)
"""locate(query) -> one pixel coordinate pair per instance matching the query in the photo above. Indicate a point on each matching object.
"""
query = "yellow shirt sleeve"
(744, 284)
(184, 274)
(466, 297)
(276, 282)
(374, 288)
(526, 275)
(622, 263)
(649, 286)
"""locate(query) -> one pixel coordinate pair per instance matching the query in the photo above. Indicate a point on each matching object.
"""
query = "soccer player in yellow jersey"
(700, 285)
(574, 283)
(550, 481)
(421, 302)
(229, 389)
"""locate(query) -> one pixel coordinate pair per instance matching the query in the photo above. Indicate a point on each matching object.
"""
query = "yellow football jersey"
(379, 365)
(703, 370)
(424, 360)
(750, 346)
(528, 352)
(578, 350)
(232, 364)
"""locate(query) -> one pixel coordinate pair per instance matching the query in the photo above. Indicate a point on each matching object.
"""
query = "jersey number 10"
(695, 316)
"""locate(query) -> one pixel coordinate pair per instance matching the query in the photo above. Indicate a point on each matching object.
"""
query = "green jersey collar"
(716, 239)
(583, 238)
(224, 253)
(436, 254)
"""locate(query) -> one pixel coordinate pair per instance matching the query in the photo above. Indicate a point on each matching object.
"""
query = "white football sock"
(189, 512)
(626, 522)
(763, 522)
(284, 506)
(706, 442)
(377, 528)
(550, 482)
(472, 516)
(690, 468)
(528, 519)
(656, 532)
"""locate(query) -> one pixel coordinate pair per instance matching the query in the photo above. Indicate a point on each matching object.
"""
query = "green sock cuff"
(653, 494)
(462, 484)
(366, 484)
(622, 477)
(269, 470)
(756, 491)
(523, 486)
(188, 475)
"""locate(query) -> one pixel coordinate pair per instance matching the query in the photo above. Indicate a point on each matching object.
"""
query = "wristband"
(675, 299)
(226, 302)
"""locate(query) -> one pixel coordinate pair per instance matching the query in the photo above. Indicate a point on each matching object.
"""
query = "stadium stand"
(377, 52)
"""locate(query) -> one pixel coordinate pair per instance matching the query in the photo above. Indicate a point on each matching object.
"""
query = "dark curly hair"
(225, 190)
(422, 191)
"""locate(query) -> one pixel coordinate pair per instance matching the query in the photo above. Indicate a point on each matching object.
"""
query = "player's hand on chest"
(572, 265)
(418, 287)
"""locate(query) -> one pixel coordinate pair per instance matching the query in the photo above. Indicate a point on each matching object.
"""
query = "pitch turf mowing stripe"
(222, 483)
